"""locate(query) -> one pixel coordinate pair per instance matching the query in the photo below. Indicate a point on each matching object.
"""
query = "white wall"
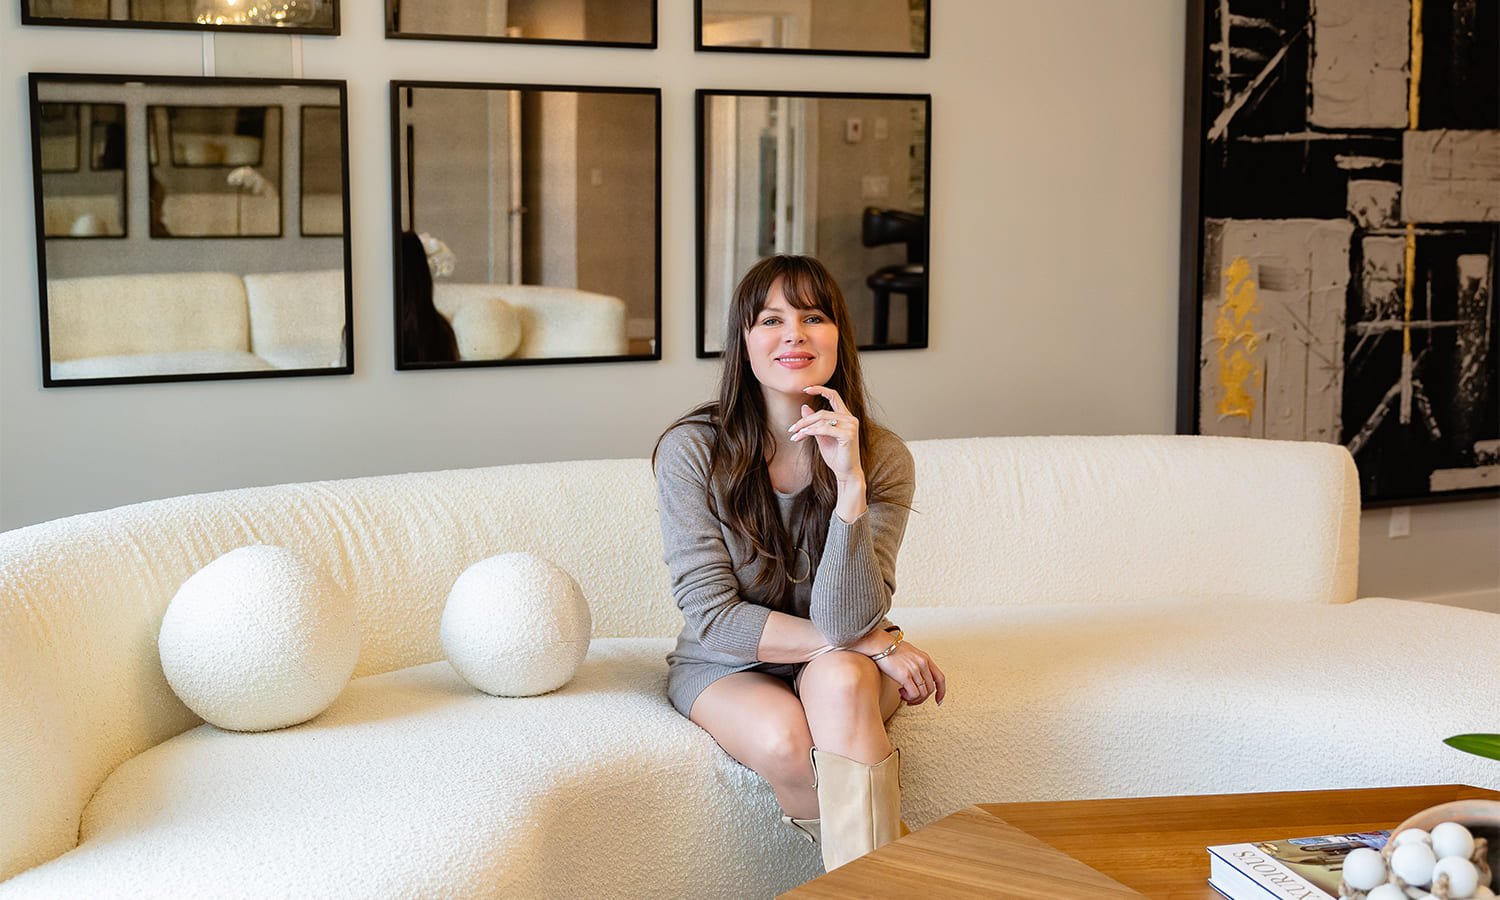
(1055, 190)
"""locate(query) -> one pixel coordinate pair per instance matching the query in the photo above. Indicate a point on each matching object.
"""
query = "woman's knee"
(841, 675)
(783, 751)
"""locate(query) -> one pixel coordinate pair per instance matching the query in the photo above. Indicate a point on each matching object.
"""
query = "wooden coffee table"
(1151, 846)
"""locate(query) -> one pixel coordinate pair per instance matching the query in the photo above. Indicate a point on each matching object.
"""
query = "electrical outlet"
(1400, 522)
(854, 130)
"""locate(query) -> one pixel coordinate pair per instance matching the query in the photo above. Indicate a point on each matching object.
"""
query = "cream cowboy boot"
(860, 805)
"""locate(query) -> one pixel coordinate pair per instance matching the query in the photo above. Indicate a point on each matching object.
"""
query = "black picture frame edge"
(396, 86)
(701, 199)
(700, 47)
(332, 30)
(33, 83)
(1190, 228)
(392, 34)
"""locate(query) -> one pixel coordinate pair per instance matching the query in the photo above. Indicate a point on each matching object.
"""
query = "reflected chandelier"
(258, 12)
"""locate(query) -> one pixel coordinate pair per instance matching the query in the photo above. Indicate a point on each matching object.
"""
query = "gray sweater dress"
(713, 567)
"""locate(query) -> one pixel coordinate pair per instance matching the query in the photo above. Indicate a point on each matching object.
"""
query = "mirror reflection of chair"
(895, 226)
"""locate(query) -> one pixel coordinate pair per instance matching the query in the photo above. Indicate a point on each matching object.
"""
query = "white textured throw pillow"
(516, 625)
(258, 639)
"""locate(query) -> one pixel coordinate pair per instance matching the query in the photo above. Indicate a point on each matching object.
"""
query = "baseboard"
(1487, 600)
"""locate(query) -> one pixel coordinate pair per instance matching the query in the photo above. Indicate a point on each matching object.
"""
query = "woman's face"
(791, 348)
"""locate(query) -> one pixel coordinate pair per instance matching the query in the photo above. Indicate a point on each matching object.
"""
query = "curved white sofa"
(1118, 616)
(171, 323)
(528, 321)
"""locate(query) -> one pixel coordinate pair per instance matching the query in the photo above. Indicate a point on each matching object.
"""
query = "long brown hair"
(743, 442)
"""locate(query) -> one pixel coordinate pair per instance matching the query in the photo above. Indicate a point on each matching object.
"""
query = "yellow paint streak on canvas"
(1413, 111)
(1234, 329)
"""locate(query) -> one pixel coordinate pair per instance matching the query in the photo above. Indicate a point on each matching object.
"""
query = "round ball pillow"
(487, 329)
(516, 625)
(258, 639)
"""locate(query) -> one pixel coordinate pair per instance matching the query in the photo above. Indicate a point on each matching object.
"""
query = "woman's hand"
(837, 433)
(916, 673)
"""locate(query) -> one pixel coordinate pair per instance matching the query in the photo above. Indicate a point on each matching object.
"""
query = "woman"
(782, 508)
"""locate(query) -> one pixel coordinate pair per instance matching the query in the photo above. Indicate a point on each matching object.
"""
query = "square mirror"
(294, 16)
(842, 177)
(837, 27)
(596, 23)
(528, 223)
(84, 199)
(157, 160)
(222, 177)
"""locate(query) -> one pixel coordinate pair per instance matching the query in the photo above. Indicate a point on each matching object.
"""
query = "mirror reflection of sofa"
(173, 323)
(526, 321)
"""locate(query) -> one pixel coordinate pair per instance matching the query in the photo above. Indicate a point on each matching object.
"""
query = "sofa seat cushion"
(182, 362)
(412, 783)
(1073, 702)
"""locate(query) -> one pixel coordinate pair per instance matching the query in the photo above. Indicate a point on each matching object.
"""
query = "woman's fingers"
(834, 399)
(827, 424)
(941, 679)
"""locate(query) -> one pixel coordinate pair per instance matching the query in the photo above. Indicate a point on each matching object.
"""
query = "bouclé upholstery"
(1117, 616)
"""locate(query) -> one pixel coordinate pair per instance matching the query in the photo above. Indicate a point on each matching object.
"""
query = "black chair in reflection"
(895, 226)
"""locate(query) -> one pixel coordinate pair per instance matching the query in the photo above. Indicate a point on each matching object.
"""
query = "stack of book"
(1307, 868)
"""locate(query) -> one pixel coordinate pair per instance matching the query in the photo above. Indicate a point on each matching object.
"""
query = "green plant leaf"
(1486, 745)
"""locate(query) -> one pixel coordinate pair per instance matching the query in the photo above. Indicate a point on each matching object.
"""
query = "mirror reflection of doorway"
(483, 228)
(839, 176)
(537, 208)
(762, 190)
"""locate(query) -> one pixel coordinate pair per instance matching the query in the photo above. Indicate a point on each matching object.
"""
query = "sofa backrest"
(297, 318)
(1133, 519)
(115, 315)
(996, 521)
(555, 321)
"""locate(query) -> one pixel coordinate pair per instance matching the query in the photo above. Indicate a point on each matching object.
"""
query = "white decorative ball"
(260, 638)
(1364, 869)
(1386, 892)
(516, 625)
(1411, 835)
(1414, 862)
(1463, 878)
(1452, 839)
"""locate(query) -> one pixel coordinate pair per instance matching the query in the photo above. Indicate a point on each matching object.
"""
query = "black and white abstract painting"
(1341, 216)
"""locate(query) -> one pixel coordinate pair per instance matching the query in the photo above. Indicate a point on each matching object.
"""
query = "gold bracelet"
(900, 636)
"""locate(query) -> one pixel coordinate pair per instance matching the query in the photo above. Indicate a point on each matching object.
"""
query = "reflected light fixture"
(274, 13)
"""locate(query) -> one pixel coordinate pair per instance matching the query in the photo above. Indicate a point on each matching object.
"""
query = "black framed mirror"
(840, 176)
(827, 27)
(223, 174)
(224, 161)
(588, 23)
(81, 158)
(285, 16)
(527, 223)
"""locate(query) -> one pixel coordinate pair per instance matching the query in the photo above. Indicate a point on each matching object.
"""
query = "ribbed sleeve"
(703, 580)
(856, 577)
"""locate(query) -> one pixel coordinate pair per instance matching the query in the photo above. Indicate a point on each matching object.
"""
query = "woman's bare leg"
(846, 700)
(757, 719)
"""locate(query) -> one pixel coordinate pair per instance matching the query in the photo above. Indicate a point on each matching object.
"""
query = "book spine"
(1268, 873)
